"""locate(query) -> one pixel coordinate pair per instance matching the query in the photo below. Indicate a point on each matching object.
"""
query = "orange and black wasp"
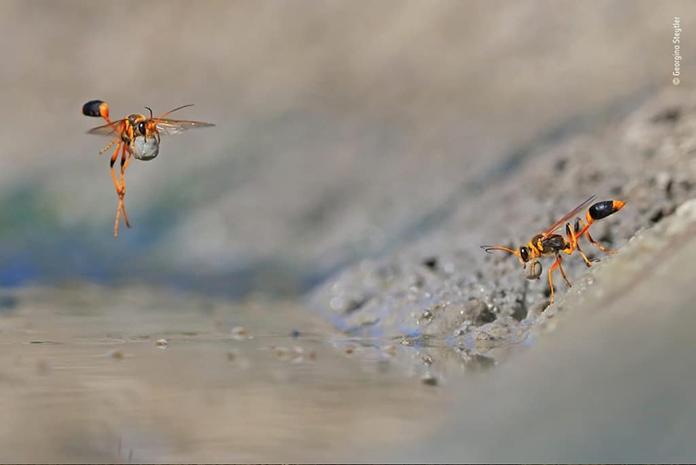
(549, 243)
(135, 135)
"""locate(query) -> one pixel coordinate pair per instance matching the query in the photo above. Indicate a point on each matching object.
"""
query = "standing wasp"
(548, 243)
(136, 135)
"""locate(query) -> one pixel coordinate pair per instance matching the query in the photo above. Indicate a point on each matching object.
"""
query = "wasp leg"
(557, 264)
(124, 165)
(560, 267)
(585, 230)
(553, 267)
(573, 242)
(121, 190)
(594, 242)
(113, 173)
(588, 262)
(119, 131)
(110, 144)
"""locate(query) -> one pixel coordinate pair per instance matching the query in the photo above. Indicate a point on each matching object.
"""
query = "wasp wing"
(167, 127)
(568, 216)
(109, 130)
(171, 127)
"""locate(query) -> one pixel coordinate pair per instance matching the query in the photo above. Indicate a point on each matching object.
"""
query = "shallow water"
(84, 379)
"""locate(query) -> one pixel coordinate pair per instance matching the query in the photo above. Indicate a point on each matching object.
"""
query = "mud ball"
(532, 270)
(145, 149)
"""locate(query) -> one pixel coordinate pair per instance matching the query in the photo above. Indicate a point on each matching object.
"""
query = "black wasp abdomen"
(602, 209)
(91, 108)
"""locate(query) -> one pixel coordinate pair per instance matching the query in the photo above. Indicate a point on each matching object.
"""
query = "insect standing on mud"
(137, 135)
(548, 243)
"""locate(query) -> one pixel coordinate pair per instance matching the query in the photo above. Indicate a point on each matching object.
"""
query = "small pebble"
(161, 343)
(389, 351)
(431, 263)
(239, 332)
(668, 115)
(116, 354)
(297, 354)
(664, 181)
(232, 355)
(281, 353)
(430, 380)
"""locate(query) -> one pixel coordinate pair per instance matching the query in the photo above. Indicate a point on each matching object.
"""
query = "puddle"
(107, 375)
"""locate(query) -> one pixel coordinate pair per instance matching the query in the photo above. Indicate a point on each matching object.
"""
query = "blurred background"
(343, 129)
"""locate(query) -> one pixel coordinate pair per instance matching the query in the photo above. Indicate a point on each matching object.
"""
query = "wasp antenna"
(172, 111)
(488, 249)
(179, 108)
(150, 109)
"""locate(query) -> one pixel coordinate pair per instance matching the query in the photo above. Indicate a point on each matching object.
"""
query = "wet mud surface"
(151, 377)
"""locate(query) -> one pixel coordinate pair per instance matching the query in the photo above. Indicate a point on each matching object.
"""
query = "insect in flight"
(135, 135)
(549, 243)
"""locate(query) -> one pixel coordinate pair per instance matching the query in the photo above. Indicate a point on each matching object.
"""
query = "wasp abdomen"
(95, 108)
(605, 208)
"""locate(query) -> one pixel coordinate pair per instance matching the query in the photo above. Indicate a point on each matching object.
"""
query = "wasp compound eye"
(141, 128)
(92, 108)
(524, 254)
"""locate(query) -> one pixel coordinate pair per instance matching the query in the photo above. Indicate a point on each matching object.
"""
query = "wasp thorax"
(145, 148)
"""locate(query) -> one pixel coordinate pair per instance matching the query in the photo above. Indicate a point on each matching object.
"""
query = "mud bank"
(444, 286)
(611, 377)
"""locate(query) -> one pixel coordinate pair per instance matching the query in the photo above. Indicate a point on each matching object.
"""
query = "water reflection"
(87, 377)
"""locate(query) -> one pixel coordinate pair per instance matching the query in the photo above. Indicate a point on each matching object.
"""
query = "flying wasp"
(549, 243)
(135, 135)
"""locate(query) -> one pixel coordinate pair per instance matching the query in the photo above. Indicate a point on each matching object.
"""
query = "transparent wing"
(568, 216)
(109, 130)
(172, 127)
